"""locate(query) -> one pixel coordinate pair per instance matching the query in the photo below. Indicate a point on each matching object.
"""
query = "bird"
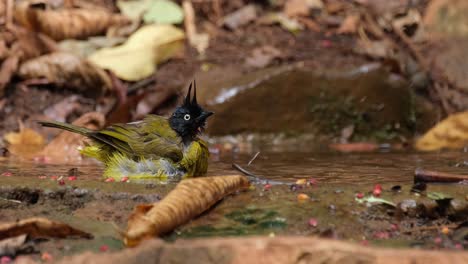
(155, 147)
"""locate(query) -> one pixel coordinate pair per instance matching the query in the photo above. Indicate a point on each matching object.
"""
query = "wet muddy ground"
(299, 194)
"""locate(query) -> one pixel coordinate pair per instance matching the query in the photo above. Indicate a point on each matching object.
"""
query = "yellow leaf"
(451, 132)
(138, 56)
(25, 143)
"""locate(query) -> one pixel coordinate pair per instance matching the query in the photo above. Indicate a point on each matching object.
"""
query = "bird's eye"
(187, 117)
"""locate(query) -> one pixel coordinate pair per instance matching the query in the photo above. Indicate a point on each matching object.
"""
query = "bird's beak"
(204, 115)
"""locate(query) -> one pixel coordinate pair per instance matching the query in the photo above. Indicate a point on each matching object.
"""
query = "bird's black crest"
(189, 118)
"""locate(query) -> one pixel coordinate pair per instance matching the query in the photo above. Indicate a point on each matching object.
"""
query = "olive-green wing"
(150, 138)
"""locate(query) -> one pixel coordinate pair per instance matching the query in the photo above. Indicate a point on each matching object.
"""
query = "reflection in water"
(336, 168)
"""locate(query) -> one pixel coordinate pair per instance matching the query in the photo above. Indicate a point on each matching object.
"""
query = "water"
(287, 167)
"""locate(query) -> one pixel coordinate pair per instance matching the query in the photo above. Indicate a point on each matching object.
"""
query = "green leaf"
(438, 196)
(134, 9)
(137, 58)
(372, 199)
(164, 12)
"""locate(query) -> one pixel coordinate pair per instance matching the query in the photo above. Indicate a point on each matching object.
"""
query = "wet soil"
(270, 208)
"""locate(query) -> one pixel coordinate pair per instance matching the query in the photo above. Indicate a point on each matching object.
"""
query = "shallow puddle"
(270, 208)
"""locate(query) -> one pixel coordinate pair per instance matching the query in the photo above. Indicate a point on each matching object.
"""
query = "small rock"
(241, 17)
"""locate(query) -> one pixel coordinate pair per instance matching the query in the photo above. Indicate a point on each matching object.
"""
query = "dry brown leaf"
(30, 45)
(189, 199)
(67, 70)
(38, 227)
(349, 25)
(293, 8)
(8, 68)
(76, 23)
(65, 147)
(24, 143)
(451, 133)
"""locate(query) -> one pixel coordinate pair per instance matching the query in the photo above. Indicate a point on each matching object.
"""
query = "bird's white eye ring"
(186, 117)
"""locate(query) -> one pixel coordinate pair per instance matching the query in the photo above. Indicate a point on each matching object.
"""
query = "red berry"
(377, 192)
(438, 240)
(313, 222)
(267, 187)
(104, 248)
(5, 260)
(378, 186)
(7, 174)
(359, 195)
(110, 180)
(125, 179)
(72, 178)
(61, 182)
(312, 181)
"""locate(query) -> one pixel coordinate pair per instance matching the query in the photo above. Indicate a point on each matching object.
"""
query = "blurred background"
(279, 74)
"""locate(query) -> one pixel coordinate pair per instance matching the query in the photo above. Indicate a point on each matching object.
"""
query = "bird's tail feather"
(68, 127)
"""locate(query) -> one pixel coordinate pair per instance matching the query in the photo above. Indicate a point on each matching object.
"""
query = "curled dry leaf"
(189, 199)
(76, 23)
(65, 147)
(38, 227)
(67, 70)
(137, 58)
(451, 133)
(24, 143)
(28, 45)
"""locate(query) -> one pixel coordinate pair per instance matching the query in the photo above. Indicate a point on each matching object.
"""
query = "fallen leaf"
(189, 199)
(65, 147)
(451, 133)
(67, 70)
(38, 227)
(84, 48)
(349, 25)
(293, 8)
(285, 22)
(438, 196)
(24, 143)
(144, 49)
(240, 17)
(164, 12)
(74, 23)
(134, 9)
(372, 199)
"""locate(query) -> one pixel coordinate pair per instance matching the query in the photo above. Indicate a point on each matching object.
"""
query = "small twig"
(436, 176)
(10, 5)
(141, 84)
(253, 158)
(10, 200)
(246, 172)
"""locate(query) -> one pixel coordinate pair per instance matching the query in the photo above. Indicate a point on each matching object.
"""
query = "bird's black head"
(189, 119)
